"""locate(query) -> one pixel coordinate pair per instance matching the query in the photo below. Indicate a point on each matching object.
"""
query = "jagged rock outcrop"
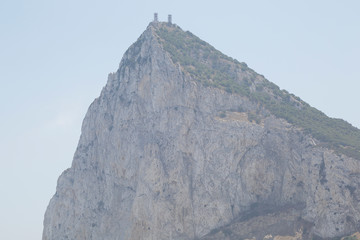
(161, 156)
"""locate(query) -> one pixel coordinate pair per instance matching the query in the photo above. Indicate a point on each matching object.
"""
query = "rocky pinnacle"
(162, 156)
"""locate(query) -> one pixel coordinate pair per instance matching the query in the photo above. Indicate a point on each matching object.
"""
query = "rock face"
(161, 156)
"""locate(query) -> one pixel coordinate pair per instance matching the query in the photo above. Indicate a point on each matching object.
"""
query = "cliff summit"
(185, 142)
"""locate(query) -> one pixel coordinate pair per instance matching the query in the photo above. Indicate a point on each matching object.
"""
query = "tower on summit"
(155, 17)
(169, 19)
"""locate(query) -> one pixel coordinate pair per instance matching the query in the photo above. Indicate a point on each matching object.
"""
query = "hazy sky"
(55, 56)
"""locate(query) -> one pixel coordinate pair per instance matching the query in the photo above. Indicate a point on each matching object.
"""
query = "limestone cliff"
(169, 151)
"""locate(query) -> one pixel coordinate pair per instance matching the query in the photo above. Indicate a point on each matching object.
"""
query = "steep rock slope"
(171, 150)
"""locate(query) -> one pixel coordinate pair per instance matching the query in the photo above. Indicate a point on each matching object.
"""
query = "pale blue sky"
(55, 56)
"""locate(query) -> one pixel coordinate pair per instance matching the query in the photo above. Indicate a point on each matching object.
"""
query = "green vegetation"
(350, 238)
(210, 67)
(252, 117)
(222, 114)
(202, 61)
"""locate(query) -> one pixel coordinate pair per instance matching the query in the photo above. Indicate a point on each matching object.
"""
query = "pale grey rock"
(156, 160)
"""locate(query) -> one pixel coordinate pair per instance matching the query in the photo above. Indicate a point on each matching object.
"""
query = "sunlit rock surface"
(163, 157)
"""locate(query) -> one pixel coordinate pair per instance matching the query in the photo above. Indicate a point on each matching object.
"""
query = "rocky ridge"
(166, 154)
